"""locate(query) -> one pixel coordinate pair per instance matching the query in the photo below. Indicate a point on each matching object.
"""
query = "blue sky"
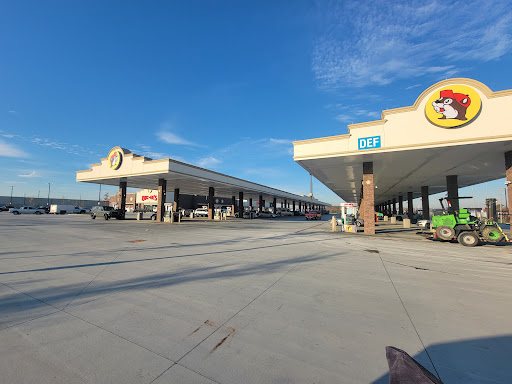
(226, 85)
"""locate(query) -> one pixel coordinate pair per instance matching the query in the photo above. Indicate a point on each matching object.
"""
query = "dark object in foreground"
(403, 369)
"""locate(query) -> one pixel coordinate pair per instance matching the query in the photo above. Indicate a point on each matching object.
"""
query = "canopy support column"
(160, 204)
(122, 196)
(452, 186)
(425, 206)
(176, 204)
(400, 205)
(369, 197)
(240, 205)
(508, 175)
(409, 205)
(211, 202)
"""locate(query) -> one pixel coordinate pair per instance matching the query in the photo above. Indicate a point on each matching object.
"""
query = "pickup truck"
(313, 215)
(106, 213)
(26, 209)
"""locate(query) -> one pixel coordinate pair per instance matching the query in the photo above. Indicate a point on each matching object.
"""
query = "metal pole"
(49, 184)
(24, 198)
(12, 187)
(99, 196)
(310, 175)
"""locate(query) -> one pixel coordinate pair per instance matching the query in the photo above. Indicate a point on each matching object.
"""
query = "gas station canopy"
(456, 127)
(141, 172)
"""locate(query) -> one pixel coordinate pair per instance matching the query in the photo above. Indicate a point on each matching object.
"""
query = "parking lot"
(244, 301)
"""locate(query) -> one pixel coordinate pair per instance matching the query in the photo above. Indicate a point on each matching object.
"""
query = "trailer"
(61, 209)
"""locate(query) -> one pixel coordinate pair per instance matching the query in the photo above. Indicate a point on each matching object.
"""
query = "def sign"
(369, 142)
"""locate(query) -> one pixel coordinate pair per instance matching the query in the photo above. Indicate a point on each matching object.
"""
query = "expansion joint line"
(95, 277)
(406, 312)
(245, 306)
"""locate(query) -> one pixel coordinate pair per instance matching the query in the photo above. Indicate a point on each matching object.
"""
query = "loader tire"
(445, 232)
(492, 234)
(468, 239)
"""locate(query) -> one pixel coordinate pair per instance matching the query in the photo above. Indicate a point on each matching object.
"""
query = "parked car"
(186, 211)
(284, 212)
(3, 208)
(247, 214)
(106, 212)
(26, 209)
(201, 212)
(313, 215)
(45, 208)
(424, 224)
(267, 214)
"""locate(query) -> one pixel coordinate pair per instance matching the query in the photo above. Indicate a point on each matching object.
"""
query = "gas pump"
(348, 217)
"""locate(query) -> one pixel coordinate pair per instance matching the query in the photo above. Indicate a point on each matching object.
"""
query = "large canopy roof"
(412, 151)
(142, 172)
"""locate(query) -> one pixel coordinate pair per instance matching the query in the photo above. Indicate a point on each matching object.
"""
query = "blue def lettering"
(369, 142)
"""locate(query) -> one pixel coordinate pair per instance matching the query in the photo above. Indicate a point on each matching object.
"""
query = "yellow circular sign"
(115, 158)
(453, 106)
(349, 228)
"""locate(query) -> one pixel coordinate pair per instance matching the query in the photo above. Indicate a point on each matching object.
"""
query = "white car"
(425, 224)
(267, 214)
(201, 212)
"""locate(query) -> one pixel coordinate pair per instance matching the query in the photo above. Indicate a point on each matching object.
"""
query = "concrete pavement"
(243, 301)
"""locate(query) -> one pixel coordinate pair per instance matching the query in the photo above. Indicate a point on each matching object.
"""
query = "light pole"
(24, 198)
(12, 187)
(49, 184)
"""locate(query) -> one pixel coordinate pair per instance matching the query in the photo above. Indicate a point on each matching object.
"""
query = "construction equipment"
(466, 229)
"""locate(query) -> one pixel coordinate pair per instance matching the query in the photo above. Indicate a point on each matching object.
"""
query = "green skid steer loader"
(466, 229)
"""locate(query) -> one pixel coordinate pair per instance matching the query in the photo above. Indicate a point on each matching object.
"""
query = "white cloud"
(12, 112)
(10, 150)
(208, 162)
(359, 115)
(378, 42)
(413, 86)
(167, 136)
(9, 135)
(344, 118)
(32, 174)
(280, 141)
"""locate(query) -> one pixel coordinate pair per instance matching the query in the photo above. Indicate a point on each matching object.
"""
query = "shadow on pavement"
(483, 360)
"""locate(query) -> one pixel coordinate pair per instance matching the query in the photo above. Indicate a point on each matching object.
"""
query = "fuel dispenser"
(348, 217)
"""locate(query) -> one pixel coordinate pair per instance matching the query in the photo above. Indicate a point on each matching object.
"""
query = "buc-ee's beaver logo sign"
(453, 106)
(115, 158)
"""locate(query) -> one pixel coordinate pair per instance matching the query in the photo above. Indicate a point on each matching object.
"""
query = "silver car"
(424, 224)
